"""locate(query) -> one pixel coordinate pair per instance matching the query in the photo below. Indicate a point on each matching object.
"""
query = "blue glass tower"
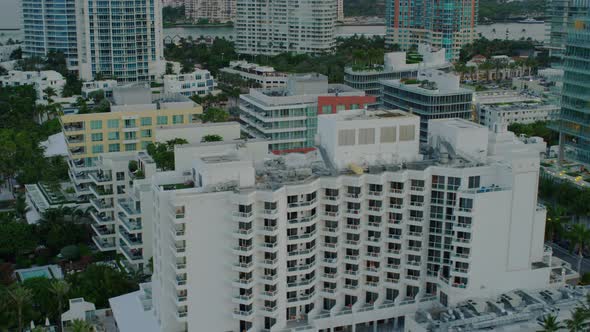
(574, 119)
(50, 25)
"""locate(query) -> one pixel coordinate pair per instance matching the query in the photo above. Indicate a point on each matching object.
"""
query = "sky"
(9, 14)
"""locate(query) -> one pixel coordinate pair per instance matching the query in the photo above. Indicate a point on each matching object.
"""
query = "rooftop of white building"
(514, 311)
(453, 143)
(136, 97)
(504, 97)
(253, 68)
(431, 82)
(300, 89)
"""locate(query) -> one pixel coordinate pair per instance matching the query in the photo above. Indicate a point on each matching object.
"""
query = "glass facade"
(574, 119)
(50, 25)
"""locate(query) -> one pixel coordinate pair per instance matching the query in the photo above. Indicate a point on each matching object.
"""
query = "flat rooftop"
(370, 115)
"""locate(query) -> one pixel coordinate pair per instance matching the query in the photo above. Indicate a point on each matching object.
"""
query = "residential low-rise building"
(106, 86)
(497, 67)
(288, 116)
(200, 82)
(264, 76)
(129, 126)
(433, 94)
(395, 67)
(365, 231)
(40, 80)
(512, 106)
(525, 113)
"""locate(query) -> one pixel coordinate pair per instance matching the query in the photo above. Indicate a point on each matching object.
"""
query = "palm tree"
(554, 222)
(60, 288)
(80, 326)
(579, 235)
(578, 321)
(20, 297)
(550, 324)
(486, 67)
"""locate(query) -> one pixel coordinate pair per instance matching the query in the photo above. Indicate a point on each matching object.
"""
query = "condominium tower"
(448, 24)
(278, 26)
(50, 25)
(120, 39)
(574, 120)
(359, 235)
(562, 14)
(219, 11)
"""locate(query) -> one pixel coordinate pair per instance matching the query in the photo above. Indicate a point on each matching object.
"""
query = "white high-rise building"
(278, 26)
(364, 231)
(120, 39)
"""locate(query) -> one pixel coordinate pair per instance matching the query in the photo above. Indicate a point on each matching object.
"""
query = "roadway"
(567, 256)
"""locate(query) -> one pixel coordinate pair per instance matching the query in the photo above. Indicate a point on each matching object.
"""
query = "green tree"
(60, 288)
(169, 69)
(212, 138)
(78, 325)
(99, 283)
(16, 238)
(554, 222)
(214, 114)
(579, 235)
(578, 322)
(163, 153)
(43, 300)
(21, 298)
(550, 324)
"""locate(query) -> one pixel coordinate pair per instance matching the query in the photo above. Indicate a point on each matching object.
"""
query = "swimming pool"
(36, 272)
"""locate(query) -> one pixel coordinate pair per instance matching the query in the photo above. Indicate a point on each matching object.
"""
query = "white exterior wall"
(378, 152)
(505, 239)
(229, 131)
(40, 80)
(199, 82)
(285, 26)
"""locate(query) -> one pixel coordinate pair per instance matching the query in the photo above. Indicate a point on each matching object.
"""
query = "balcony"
(103, 244)
(100, 192)
(243, 250)
(178, 267)
(243, 216)
(178, 249)
(101, 219)
(102, 231)
(302, 204)
(243, 299)
(100, 205)
(132, 254)
(244, 233)
(100, 179)
(331, 215)
(243, 266)
(243, 314)
(129, 208)
(130, 226)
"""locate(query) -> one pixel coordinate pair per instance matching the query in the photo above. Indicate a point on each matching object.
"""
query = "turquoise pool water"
(38, 273)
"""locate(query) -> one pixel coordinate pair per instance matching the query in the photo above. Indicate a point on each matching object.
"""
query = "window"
(113, 136)
(176, 119)
(346, 137)
(367, 136)
(96, 124)
(162, 120)
(130, 123)
(407, 133)
(97, 148)
(130, 147)
(340, 108)
(130, 135)
(113, 123)
(120, 176)
(114, 147)
(327, 109)
(96, 137)
(354, 106)
(146, 121)
(146, 133)
(473, 182)
(388, 135)
(144, 144)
